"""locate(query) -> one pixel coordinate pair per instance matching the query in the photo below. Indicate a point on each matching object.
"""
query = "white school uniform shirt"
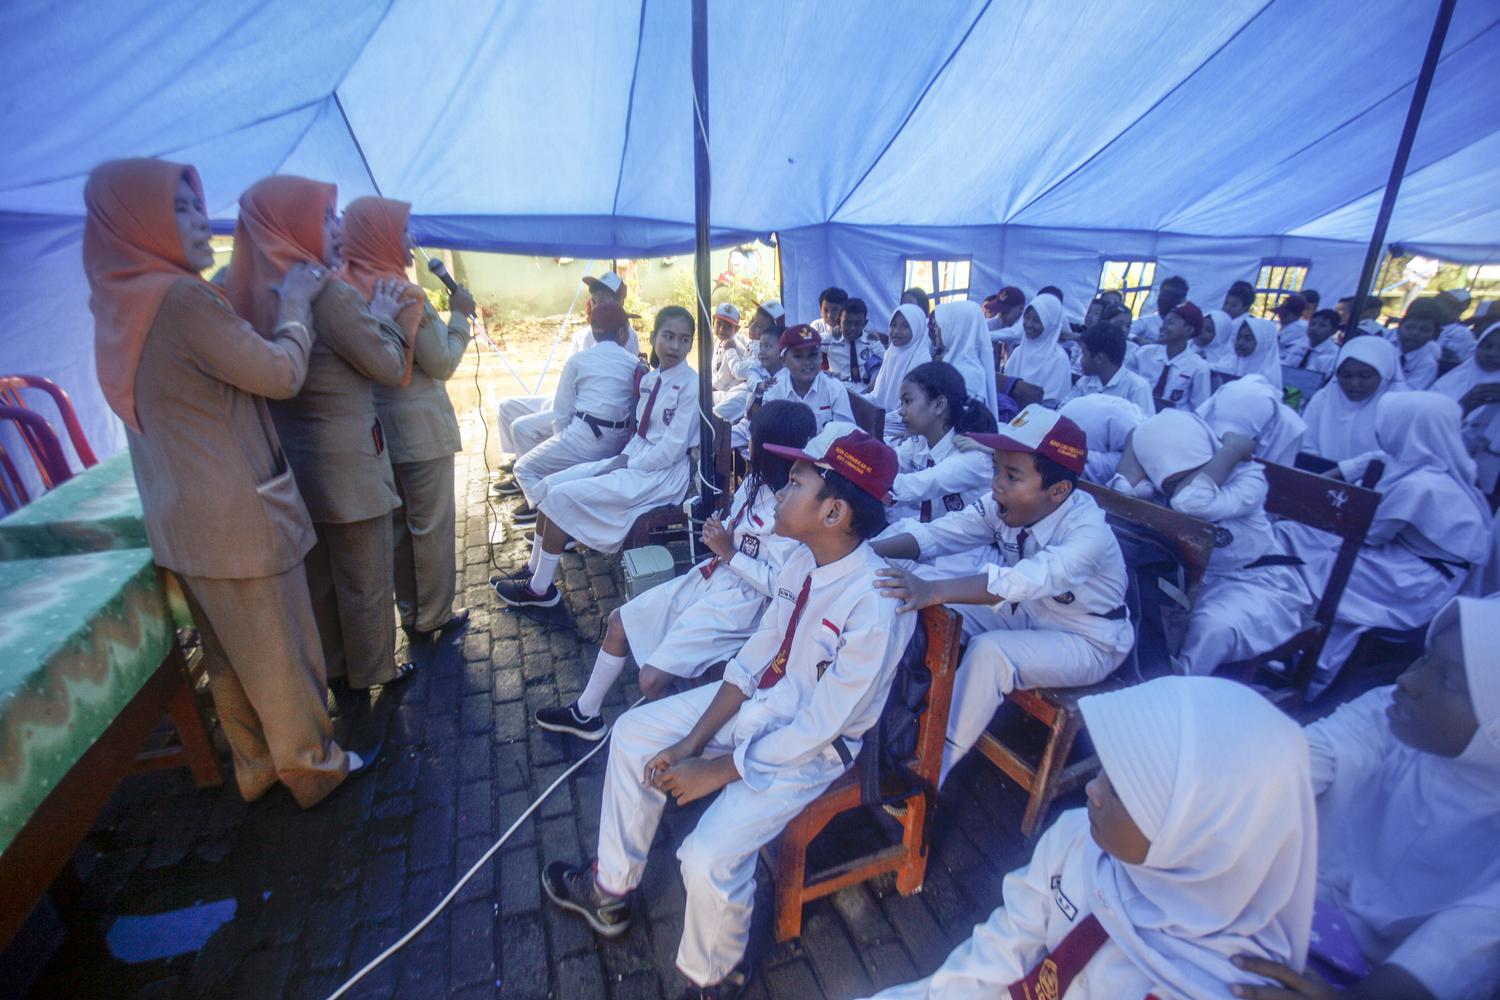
(1008, 335)
(1070, 576)
(827, 397)
(1459, 339)
(673, 427)
(941, 474)
(869, 350)
(1147, 329)
(729, 362)
(1124, 384)
(1301, 354)
(1419, 368)
(599, 381)
(1288, 335)
(843, 657)
(1188, 385)
(583, 339)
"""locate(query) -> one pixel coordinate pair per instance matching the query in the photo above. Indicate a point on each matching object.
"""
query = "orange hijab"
(373, 228)
(132, 254)
(280, 224)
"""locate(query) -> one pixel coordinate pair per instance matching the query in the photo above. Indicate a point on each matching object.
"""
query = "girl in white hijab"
(1255, 350)
(1430, 530)
(1475, 384)
(966, 346)
(1199, 844)
(1216, 343)
(1252, 406)
(1107, 422)
(910, 347)
(1037, 358)
(1341, 416)
(1251, 598)
(1408, 784)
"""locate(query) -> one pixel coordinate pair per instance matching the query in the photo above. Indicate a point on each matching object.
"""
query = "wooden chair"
(46, 451)
(867, 416)
(11, 387)
(1190, 542)
(1217, 379)
(1330, 505)
(795, 887)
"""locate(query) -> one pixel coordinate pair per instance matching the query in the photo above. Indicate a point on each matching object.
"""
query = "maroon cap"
(609, 316)
(1044, 432)
(865, 461)
(1011, 297)
(800, 335)
(1192, 315)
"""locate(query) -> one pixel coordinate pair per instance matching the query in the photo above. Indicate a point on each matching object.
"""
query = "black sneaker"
(567, 719)
(573, 889)
(524, 514)
(727, 988)
(507, 487)
(517, 593)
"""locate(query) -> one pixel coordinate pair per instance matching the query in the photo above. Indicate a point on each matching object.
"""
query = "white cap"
(773, 309)
(608, 280)
(728, 311)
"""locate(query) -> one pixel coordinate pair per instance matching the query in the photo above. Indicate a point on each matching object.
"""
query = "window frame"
(1268, 296)
(1135, 296)
(938, 296)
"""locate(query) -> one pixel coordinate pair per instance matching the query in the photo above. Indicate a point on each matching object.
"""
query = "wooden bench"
(908, 858)
(867, 416)
(1189, 541)
(1339, 508)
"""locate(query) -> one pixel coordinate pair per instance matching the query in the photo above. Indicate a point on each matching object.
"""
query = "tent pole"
(703, 279)
(1403, 151)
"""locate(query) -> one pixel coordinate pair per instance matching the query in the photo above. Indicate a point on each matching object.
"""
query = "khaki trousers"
(423, 528)
(350, 577)
(265, 669)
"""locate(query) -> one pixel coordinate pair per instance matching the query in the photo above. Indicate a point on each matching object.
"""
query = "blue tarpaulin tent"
(1032, 139)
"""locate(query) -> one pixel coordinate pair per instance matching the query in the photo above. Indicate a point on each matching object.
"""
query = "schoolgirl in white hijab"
(885, 391)
(1475, 384)
(1339, 425)
(1038, 359)
(1107, 422)
(1430, 530)
(967, 347)
(1198, 845)
(1458, 382)
(1251, 598)
(1254, 350)
(1218, 351)
(1252, 406)
(1408, 784)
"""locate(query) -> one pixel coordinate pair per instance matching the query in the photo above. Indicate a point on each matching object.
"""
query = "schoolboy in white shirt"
(802, 380)
(1177, 376)
(732, 353)
(854, 355)
(1105, 371)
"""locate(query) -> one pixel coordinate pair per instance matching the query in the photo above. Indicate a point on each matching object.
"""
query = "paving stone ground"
(316, 894)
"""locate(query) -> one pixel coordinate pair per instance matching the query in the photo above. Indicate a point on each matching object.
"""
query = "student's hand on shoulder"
(1290, 985)
(964, 443)
(718, 539)
(912, 591)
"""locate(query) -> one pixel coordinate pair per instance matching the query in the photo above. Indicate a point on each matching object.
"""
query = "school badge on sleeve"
(750, 545)
(953, 502)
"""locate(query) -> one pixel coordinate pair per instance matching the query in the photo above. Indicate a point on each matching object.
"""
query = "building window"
(942, 280)
(1275, 280)
(1131, 277)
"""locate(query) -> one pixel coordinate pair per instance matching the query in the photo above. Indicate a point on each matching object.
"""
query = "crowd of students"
(293, 446)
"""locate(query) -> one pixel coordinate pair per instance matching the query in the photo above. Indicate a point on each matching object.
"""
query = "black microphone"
(440, 272)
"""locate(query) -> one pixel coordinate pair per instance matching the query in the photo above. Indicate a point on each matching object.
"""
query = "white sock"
(606, 671)
(536, 551)
(546, 569)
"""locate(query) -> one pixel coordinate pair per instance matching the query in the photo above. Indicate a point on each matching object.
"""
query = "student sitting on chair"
(909, 348)
(1291, 328)
(1408, 785)
(732, 354)
(1417, 339)
(1107, 423)
(787, 720)
(765, 363)
(1315, 350)
(1341, 416)
(1037, 358)
(959, 337)
(1177, 376)
(1251, 406)
(1044, 603)
(936, 478)
(1475, 384)
(597, 502)
(1251, 598)
(1198, 847)
(801, 380)
(1215, 343)
(1254, 350)
(1102, 361)
(854, 354)
(681, 628)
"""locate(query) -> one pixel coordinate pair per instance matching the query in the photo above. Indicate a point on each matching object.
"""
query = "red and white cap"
(865, 461)
(609, 281)
(727, 310)
(773, 309)
(1044, 432)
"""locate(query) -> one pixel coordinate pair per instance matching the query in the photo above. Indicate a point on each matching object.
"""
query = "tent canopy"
(1031, 138)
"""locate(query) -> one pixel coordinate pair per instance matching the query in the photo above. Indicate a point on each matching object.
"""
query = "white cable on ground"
(442, 904)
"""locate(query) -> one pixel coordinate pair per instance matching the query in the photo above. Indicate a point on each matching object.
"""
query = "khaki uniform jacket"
(218, 496)
(419, 421)
(332, 436)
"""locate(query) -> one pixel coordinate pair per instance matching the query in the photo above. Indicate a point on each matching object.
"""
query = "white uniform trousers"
(576, 445)
(1240, 616)
(718, 857)
(599, 510)
(1005, 653)
(525, 422)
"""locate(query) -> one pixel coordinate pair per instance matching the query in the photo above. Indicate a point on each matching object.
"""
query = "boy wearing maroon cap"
(1045, 603)
(1005, 325)
(786, 721)
(802, 380)
(1179, 378)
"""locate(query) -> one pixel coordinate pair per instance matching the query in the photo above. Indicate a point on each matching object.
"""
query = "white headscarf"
(1106, 422)
(1220, 350)
(1172, 441)
(885, 392)
(1337, 427)
(1266, 359)
(1466, 376)
(1219, 782)
(1041, 361)
(1419, 835)
(967, 347)
(1253, 407)
(1419, 434)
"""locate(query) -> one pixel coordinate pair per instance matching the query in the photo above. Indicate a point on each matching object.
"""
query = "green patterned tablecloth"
(79, 635)
(97, 509)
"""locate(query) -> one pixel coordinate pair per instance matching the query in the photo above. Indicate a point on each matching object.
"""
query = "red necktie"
(1052, 976)
(1305, 355)
(853, 362)
(777, 669)
(650, 402)
(926, 514)
(1161, 382)
(734, 522)
(1020, 554)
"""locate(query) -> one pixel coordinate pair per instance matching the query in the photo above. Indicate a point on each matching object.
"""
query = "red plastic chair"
(46, 450)
(10, 395)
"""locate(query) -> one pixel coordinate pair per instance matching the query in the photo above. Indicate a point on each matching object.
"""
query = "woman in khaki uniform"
(221, 509)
